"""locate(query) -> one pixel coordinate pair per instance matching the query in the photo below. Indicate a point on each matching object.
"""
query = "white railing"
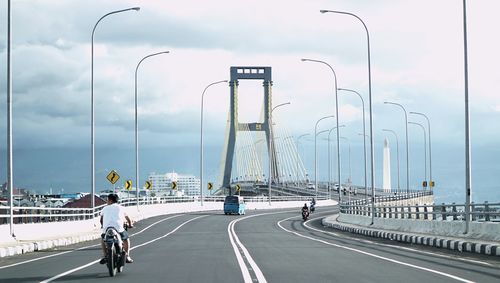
(50, 214)
(389, 207)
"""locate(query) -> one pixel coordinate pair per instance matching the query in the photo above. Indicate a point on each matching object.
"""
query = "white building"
(186, 184)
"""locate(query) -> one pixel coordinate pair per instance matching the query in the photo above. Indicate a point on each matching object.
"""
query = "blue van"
(234, 204)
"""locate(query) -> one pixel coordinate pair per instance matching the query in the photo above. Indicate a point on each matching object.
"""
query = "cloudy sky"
(417, 60)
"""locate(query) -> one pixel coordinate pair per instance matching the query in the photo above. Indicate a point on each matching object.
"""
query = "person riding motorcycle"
(114, 215)
(305, 211)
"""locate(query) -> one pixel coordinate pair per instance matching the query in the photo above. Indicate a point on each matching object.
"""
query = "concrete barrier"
(487, 231)
(482, 239)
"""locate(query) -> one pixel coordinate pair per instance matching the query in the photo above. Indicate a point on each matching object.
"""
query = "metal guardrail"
(480, 212)
(51, 214)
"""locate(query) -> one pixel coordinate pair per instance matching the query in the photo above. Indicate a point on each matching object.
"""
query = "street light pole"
(316, 153)
(315, 160)
(372, 149)
(397, 152)
(407, 147)
(425, 148)
(136, 129)
(430, 148)
(201, 137)
(270, 122)
(350, 176)
(10, 156)
(329, 177)
(364, 133)
(336, 113)
(468, 182)
(298, 139)
(92, 122)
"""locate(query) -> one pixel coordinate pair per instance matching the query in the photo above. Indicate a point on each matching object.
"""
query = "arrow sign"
(128, 184)
(113, 177)
(238, 188)
(210, 186)
(174, 185)
(148, 185)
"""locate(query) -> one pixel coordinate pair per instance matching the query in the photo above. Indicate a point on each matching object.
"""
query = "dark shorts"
(123, 234)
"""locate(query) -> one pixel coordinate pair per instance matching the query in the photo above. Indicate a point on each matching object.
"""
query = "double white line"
(240, 251)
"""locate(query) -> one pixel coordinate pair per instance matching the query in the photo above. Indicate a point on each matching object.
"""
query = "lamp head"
(136, 8)
(323, 11)
(303, 59)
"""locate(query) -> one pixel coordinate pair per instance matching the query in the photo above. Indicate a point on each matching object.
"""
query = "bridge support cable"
(291, 157)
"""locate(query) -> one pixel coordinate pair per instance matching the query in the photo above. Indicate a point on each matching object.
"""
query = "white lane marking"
(70, 271)
(159, 238)
(372, 255)
(82, 248)
(397, 247)
(153, 224)
(241, 263)
(96, 261)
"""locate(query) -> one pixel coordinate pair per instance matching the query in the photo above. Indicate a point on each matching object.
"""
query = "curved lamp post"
(430, 148)
(350, 176)
(364, 132)
(336, 111)
(270, 122)
(425, 148)
(329, 177)
(136, 129)
(407, 151)
(10, 156)
(372, 150)
(316, 134)
(316, 152)
(201, 137)
(92, 122)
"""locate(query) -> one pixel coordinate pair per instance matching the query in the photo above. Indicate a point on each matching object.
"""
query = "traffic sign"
(113, 177)
(424, 184)
(174, 185)
(148, 185)
(432, 184)
(128, 184)
(210, 186)
(238, 187)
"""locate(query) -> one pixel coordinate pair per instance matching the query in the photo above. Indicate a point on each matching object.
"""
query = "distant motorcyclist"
(313, 205)
(305, 208)
(305, 211)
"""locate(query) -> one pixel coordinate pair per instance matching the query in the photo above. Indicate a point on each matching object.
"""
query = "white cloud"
(417, 60)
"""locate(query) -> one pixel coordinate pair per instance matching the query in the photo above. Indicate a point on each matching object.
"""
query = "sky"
(416, 59)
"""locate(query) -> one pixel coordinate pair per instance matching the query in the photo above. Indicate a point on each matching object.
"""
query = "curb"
(47, 244)
(433, 241)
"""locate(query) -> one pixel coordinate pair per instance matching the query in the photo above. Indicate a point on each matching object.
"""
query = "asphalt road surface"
(261, 246)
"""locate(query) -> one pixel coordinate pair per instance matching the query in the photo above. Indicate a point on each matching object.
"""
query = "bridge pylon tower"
(246, 73)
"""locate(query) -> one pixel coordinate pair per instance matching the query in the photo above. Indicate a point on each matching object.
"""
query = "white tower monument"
(386, 186)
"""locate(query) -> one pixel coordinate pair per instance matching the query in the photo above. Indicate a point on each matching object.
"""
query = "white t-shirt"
(113, 215)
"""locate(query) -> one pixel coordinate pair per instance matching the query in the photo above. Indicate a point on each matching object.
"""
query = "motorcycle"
(312, 207)
(305, 214)
(115, 253)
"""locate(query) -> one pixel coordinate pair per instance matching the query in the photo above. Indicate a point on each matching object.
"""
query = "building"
(186, 184)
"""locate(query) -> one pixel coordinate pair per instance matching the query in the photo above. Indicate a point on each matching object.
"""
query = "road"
(262, 246)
